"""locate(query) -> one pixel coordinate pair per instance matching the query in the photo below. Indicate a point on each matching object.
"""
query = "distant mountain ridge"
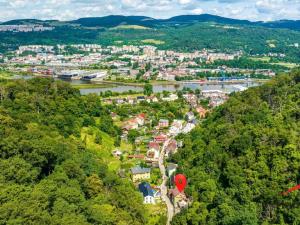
(205, 18)
(116, 20)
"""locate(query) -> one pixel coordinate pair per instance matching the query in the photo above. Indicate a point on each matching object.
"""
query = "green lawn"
(88, 86)
(155, 212)
(5, 75)
(134, 27)
(153, 41)
(263, 59)
(286, 64)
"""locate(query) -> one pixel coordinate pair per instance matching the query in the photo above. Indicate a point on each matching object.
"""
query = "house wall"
(149, 200)
(138, 177)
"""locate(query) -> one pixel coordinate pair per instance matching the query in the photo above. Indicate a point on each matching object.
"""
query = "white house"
(147, 192)
(188, 128)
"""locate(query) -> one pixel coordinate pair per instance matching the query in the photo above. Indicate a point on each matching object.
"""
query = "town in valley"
(100, 115)
(152, 124)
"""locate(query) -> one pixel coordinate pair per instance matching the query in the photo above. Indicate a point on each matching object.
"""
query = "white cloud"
(197, 11)
(184, 2)
(72, 9)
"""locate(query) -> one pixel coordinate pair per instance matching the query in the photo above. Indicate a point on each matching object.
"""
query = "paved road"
(163, 187)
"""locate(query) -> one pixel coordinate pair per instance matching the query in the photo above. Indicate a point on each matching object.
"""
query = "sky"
(253, 10)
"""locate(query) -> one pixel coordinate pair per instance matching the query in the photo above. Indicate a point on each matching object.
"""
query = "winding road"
(163, 187)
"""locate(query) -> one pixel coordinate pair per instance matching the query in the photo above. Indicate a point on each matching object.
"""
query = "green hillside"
(244, 156)
(51, 171)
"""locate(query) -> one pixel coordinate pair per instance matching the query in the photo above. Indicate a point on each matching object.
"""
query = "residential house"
(214, 102)
(171, 148)
(160, 138)
(191, 99)
(176, 127)
(171, 169)
(140, 98)
(152, 99)
(147, 192)
(141, 119)
(178, 199)
(138, 173)
(135, 122)
(163, 123)
(119, 101)
(131, 124)
(190, 116)
(117, 153)
(172, 97)
(202, 112)
(153, 145)
(153, 155)
(213, 93)
(188, 128)
(131, 100)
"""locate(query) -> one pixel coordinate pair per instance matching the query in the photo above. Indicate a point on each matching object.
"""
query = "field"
(286, 64)
(267, 60)
(153, 41)
(263, 59)
(134, 27)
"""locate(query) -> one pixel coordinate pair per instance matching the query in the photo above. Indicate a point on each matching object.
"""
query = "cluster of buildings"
(24, 28)
(135, 122)
(130, 100)
(215, 97)
(162, 141)
(138, 99)
(126, 61)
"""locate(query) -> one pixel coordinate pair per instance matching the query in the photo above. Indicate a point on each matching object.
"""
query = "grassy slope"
(104, 150)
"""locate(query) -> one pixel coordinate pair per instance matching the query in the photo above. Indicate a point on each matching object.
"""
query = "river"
(157, 88)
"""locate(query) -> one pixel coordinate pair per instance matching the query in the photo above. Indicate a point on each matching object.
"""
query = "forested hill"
(181, 33)
(116, 20)
(47, 174)
(241, 159)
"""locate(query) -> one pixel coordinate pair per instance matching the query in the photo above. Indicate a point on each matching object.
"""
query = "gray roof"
(140, 170)
(171, 166)
(163, 120)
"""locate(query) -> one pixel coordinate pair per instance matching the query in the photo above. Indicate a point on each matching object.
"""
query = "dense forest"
(244, 156)
(47, 174)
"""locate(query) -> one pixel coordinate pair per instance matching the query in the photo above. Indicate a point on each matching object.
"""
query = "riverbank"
(140, 84)
(92, 85)
(217, 82)
(154, 82)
